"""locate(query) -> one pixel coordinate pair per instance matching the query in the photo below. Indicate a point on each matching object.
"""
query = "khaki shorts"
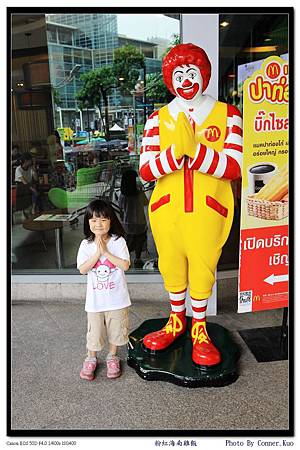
(113, 325)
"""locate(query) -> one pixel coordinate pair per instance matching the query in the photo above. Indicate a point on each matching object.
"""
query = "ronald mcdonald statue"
(192, 147)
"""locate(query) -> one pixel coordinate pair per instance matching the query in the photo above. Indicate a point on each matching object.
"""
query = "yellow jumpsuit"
(191, 213)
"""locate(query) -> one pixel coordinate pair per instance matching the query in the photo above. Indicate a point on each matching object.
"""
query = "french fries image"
(276, 189)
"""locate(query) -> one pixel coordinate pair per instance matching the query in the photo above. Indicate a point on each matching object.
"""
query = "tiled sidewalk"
(48, 347)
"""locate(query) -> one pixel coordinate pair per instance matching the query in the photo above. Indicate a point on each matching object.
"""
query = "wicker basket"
(263, 209)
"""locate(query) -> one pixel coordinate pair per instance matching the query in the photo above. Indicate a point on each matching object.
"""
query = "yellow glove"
(201, 137)
(185, 143)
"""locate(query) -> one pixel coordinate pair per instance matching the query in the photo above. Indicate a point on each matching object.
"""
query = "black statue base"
(175, 364)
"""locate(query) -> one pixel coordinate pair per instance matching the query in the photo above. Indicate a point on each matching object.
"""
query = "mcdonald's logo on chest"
(212, 133)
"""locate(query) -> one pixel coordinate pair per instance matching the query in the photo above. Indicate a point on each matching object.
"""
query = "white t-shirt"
(27, 174)
(106, 284)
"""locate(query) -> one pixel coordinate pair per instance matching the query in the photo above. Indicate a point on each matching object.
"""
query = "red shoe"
(204, 352)
(162, 339)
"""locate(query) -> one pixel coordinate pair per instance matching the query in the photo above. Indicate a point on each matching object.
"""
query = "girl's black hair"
(101, 209)
(128, 183)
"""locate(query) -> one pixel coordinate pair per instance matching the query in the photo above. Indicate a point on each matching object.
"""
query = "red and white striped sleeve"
(153, 162)
(227, 163)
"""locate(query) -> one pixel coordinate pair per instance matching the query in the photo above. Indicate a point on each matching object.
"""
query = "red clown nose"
(187, 83)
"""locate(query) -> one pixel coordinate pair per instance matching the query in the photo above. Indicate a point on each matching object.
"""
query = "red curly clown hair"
(186, 54)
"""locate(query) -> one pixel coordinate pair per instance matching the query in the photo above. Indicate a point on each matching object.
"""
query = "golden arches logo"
(212, 133)
(256, 298)
(273, 70)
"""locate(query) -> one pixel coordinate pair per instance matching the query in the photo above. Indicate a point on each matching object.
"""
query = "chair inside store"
(91, 182)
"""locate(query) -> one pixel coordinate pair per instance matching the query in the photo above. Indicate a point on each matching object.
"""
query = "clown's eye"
(179, 78)
(192, 75)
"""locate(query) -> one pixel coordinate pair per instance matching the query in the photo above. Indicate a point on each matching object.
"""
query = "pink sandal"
(88, 369)
(113, 367)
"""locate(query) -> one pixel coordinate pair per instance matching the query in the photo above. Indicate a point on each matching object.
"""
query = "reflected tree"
(128, 63)
(98, 83)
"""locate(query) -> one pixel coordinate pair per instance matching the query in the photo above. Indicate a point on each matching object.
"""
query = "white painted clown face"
(187, 82)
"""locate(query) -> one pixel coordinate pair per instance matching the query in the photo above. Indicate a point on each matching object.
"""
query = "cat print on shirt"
(102, 272)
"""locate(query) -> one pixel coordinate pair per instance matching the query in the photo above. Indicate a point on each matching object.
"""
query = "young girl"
(104, 256)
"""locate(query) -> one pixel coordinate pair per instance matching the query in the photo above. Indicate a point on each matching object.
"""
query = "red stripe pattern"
(199, 308)
(153, 162)
(227, 163)
(177, 301)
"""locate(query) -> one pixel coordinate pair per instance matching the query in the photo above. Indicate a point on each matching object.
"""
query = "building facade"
(85, 42)
(48, 54)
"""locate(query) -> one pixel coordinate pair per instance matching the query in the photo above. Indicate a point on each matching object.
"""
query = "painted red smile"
(188, 93)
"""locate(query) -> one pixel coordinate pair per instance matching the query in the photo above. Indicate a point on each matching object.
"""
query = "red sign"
(273, 70)
(264, 272)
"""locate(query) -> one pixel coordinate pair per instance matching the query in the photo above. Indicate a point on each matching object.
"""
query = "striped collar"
(199, 113)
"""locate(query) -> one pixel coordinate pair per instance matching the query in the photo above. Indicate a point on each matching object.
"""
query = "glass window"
(77, 56)
(67, 55)
(51, 35)
(65, 37)
(72, 158)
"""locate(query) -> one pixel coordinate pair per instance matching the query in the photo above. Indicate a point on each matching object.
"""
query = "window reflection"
(73, 159)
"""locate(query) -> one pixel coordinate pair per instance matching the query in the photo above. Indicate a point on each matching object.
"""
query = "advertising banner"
(263, 281)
